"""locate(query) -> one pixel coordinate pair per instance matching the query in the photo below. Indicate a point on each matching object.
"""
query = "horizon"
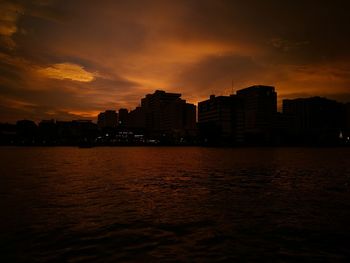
(74, 60)
(174, 130)
(94, 118)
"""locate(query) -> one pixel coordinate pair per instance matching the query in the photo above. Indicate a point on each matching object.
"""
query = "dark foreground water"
(174, 204)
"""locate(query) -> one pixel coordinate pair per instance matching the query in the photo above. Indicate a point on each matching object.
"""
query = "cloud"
(286, 45)
(214, 75)
(70, 56)
(9, 14)
(69, 71)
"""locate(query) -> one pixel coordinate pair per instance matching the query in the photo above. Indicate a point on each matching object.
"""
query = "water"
(174, 204)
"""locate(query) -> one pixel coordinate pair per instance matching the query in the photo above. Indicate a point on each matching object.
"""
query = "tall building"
(314, 120)
(256, 114)
(123, 117)
(27, 132)
(107, 119)
(189, 119)
(73, 132)
(47, 131)
(137, 118)
(347, 122)
(166, 114)
(247, 117)
(216, 119)
(7, 134)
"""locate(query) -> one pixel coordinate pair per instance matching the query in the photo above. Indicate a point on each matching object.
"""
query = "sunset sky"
(72, 59)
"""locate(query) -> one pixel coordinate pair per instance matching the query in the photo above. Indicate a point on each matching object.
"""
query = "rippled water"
(174, 204)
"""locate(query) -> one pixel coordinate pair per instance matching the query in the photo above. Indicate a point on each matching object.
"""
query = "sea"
(174, 204)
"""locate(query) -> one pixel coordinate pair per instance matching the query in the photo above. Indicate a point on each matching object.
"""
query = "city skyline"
(133, 108)
(73, 60)
(248, 117)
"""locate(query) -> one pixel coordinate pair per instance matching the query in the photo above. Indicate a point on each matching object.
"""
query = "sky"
(71, 59)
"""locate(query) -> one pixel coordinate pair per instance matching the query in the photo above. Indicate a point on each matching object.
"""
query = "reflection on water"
(187, 204)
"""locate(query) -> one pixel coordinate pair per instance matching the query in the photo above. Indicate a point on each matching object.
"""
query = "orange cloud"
(69, 71)
(9, 14)
(131, 48)
(84, 114)
(16, 104)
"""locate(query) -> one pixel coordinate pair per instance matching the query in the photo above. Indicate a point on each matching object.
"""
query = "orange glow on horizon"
(74, 59)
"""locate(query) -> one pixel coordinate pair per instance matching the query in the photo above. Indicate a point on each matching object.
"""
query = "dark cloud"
(129, 48)
(218, 73)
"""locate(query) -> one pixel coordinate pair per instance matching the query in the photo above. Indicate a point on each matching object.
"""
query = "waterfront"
(154, 204)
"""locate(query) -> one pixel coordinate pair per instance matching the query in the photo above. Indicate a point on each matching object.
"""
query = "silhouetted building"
(123, 117)
(280, 132)
(249, 117)
(189, 119)
(216, 119)
(107, 119)
(27, 132)
(347, 123)
(8, 134)
(256, 114)
(76, 131)
(137, 118)
(85, 128)
(48, 132)
(314, 120)
(167, 115)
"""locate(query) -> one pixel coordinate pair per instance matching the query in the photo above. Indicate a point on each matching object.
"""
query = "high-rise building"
(123, 117)
(314, 120)
(137, 118)
(107, 119)
(347, 121)
(7, 134)
(166, 114)
(189, 118)
(216, 119)
(75, 131)
(247, 117)
(27, 131)
(256, 114)
(47, 131)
